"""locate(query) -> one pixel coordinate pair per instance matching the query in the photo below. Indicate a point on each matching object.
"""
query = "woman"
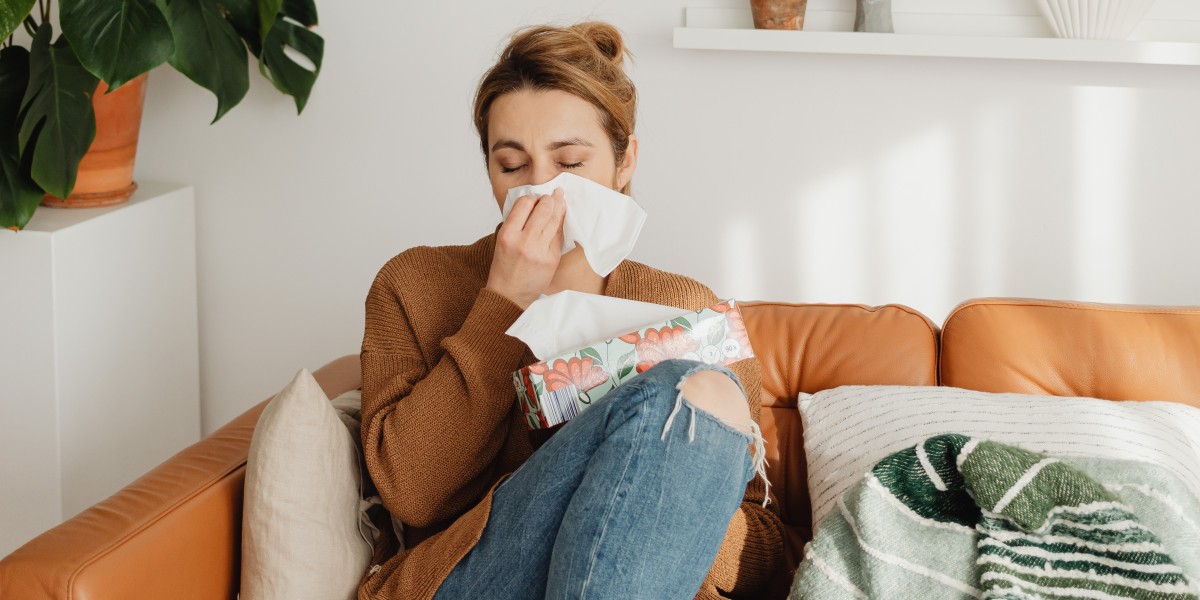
(617, 503)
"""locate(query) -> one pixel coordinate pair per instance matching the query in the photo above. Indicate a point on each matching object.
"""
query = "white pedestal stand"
(99, 359)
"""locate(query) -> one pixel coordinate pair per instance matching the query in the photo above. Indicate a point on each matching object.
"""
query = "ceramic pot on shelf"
(1094, 19)
(106, 171)
(778, 14)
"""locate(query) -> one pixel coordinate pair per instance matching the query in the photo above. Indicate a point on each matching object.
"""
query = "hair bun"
(605, 38)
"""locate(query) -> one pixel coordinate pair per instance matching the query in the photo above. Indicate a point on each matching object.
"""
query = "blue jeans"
(631, 499)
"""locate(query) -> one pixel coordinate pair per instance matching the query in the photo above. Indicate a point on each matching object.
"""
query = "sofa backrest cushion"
(811, 347)
(1060, 348)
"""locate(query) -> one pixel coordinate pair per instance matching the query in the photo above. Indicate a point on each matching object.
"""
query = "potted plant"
(50, 92)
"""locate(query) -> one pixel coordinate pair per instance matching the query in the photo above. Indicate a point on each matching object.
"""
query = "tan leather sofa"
(175, 532)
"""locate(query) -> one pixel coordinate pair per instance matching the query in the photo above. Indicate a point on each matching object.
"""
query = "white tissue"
(559, 323)
(604, 222)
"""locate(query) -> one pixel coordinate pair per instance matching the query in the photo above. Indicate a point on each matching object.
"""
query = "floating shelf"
(702, 34)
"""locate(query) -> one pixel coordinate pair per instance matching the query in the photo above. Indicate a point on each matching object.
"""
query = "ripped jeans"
(631, 499)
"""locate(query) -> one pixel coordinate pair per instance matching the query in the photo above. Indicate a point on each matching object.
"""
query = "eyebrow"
(553, 145)
(570, 142)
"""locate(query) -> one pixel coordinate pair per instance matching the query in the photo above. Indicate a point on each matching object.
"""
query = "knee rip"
(719, 396)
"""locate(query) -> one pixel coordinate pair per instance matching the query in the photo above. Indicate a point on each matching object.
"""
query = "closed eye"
(571, 165)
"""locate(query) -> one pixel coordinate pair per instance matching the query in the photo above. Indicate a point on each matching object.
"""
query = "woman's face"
(535, 135)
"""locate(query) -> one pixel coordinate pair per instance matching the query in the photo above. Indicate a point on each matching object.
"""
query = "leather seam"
(1070, 305)
(863, 307)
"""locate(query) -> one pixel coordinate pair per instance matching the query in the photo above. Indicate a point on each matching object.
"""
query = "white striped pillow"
(848, 429)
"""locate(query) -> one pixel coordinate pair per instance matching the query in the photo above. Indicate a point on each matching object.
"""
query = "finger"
(556, 241)
(510, 234)
(521, 209)
(554, 226)
(561, 222)
(542, 214)
(520, 212)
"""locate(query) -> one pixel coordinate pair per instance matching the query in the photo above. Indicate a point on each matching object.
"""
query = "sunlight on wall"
(915, 219)
(742, 261)
(992, 143)
(921, 221)
(938, 216)
(1104, 130)
(881, 231)
(832, 247)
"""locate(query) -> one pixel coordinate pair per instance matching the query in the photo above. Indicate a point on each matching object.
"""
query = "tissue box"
(554, 391)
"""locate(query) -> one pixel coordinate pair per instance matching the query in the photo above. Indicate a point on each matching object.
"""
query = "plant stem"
(42, 10)
(49, 9)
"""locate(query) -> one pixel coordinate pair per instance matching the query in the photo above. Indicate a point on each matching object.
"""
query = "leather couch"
(175, 532)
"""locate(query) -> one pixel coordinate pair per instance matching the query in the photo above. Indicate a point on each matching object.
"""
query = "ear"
(628, 163)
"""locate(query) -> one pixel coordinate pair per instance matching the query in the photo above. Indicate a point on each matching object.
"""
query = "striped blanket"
(955, 517)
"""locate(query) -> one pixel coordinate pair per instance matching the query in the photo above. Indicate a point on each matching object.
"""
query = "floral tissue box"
(554, 391)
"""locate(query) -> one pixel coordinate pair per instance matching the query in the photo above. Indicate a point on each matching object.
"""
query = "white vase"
(1094, 19)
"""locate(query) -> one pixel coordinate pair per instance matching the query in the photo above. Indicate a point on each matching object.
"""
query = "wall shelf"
(722, 29)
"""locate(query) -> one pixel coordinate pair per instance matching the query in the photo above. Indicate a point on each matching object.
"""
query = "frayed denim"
(621, 503)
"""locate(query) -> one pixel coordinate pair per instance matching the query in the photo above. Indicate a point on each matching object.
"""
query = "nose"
(542, 172)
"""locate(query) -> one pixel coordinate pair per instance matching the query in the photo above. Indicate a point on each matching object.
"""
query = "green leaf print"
(624, 372)
(681, 322)
(595, 356)
(716, 332)
(625, 364)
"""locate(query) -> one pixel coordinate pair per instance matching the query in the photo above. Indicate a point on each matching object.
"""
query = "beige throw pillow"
(301, 534)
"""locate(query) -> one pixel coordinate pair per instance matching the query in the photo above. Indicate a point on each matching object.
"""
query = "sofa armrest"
(173, 533)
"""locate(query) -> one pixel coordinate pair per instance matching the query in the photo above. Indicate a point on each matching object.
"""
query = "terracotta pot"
(778, 14)
(106, 171)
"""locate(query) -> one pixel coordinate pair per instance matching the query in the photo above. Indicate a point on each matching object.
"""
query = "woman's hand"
(528, 248)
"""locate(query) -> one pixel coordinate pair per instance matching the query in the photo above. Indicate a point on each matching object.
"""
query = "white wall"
(810, 178)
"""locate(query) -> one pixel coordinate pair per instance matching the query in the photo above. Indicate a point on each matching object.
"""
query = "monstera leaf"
(267, 10)
(57, 120)
(12, 12)
(19, 195)
(117, 40)
(286, 25)
(244, 16)
(209, 51)
(290, 31)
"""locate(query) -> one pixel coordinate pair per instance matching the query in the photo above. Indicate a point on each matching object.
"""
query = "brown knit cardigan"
(441, 426)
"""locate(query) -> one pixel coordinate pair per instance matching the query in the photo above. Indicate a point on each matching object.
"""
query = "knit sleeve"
(751, 553)
(424, 472)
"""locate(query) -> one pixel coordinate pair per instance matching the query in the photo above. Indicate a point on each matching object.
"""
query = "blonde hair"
(585, 60)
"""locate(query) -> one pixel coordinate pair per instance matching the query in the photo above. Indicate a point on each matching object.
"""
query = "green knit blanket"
(955, 517)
